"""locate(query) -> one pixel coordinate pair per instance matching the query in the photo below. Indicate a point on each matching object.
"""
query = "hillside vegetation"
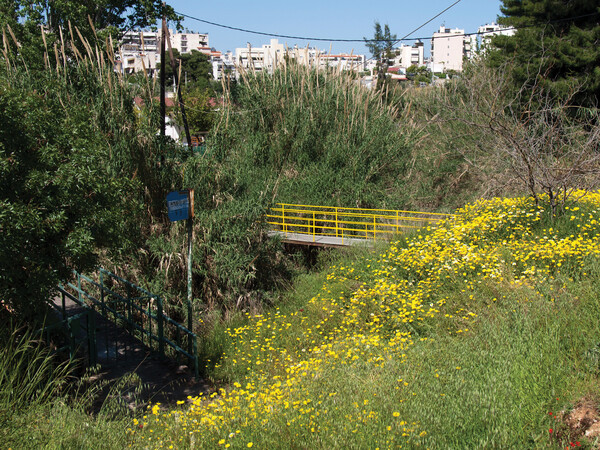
(468, 335)
(299, 136)
(482, 332)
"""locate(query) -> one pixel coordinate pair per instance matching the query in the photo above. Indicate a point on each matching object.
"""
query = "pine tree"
(380, 47)
(557, 44)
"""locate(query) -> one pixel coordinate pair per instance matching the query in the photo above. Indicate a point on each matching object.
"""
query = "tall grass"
(299, 135)
(28, 372)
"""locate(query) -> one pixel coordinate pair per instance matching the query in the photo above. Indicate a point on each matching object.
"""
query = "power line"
(405, 38)
(425, 23)
(421, 26)
(262, 33)
(304, 38)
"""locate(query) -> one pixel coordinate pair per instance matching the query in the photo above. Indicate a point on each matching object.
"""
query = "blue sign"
(178, 204)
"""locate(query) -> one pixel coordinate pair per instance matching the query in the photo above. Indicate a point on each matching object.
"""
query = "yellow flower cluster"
(365, 317)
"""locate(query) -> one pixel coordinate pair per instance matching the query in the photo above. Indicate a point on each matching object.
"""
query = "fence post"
(91, 332)
(314, 227)
(283, 219)
(374, 226)
(64, 308)
(71, 337)
(336, 223)
(129, 308)
(102, 300)
(195, 355)
(397, 229)
(79, 295)
(159, 313)
(150, 324)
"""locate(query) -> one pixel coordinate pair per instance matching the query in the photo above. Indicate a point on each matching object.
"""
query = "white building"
(342, 61)
(449, 48)
(186, 42)
(269, 57)
(487, 32)
(409, 55)
(140, 50)
(266, 57)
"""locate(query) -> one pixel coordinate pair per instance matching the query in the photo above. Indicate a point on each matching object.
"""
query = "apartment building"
(341, 61)
(409, 55)
(270, 56)
(488, 31)
(266, 57)
(140, 50)
(449, 48)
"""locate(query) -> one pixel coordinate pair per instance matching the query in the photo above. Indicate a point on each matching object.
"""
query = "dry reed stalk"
(57, 59)
(78, 54)
(62, 49)
(44, 37)
(110, 53)
(147, 78)
(366, 113)
(4, 40)
(71, 32)
(5, 50)
(110, 87)
(93, 27)
(86, 44)
(100, 61)
(17, 43)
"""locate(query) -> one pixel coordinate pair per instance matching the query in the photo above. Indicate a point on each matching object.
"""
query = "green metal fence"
(136, 309)
(75, 335)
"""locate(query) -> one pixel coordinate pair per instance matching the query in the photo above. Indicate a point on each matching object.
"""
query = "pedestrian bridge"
(332, 226)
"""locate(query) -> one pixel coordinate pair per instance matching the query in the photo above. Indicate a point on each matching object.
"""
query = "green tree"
(67, 159)
(117, 14)
(199, 109)
(380, 47)
(196, 70)
(64, 20)
(556, 45)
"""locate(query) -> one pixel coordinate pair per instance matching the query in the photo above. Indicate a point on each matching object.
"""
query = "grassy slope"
(467, 336)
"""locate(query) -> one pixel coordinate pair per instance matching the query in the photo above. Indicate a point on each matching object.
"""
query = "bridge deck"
(319, 240)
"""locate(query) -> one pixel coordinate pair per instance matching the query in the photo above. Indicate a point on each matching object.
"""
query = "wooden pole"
(179, 96)
(163, 105)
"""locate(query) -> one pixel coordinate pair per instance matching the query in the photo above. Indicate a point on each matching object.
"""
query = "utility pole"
(179, 96)
(163, 105)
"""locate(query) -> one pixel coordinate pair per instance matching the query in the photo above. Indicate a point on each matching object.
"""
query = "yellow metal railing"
(347, 222)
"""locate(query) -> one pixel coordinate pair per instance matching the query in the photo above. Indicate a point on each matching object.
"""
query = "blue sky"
(350, 19)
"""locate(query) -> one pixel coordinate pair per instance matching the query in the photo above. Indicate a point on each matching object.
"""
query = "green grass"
(483, 372)
(488, 379)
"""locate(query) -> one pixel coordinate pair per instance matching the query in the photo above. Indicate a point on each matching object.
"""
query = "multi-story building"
(222, 63)
(409, 55)
(141, 49)
(268, 57)
(342, 61)
(449, 48)
(186, 42)
(487, 32)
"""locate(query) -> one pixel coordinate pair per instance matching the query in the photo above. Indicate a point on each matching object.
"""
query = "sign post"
(190, 227)
(181, 207)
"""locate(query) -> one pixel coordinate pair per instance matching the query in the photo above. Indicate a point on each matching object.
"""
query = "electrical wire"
(405, 38)
(301, 38)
